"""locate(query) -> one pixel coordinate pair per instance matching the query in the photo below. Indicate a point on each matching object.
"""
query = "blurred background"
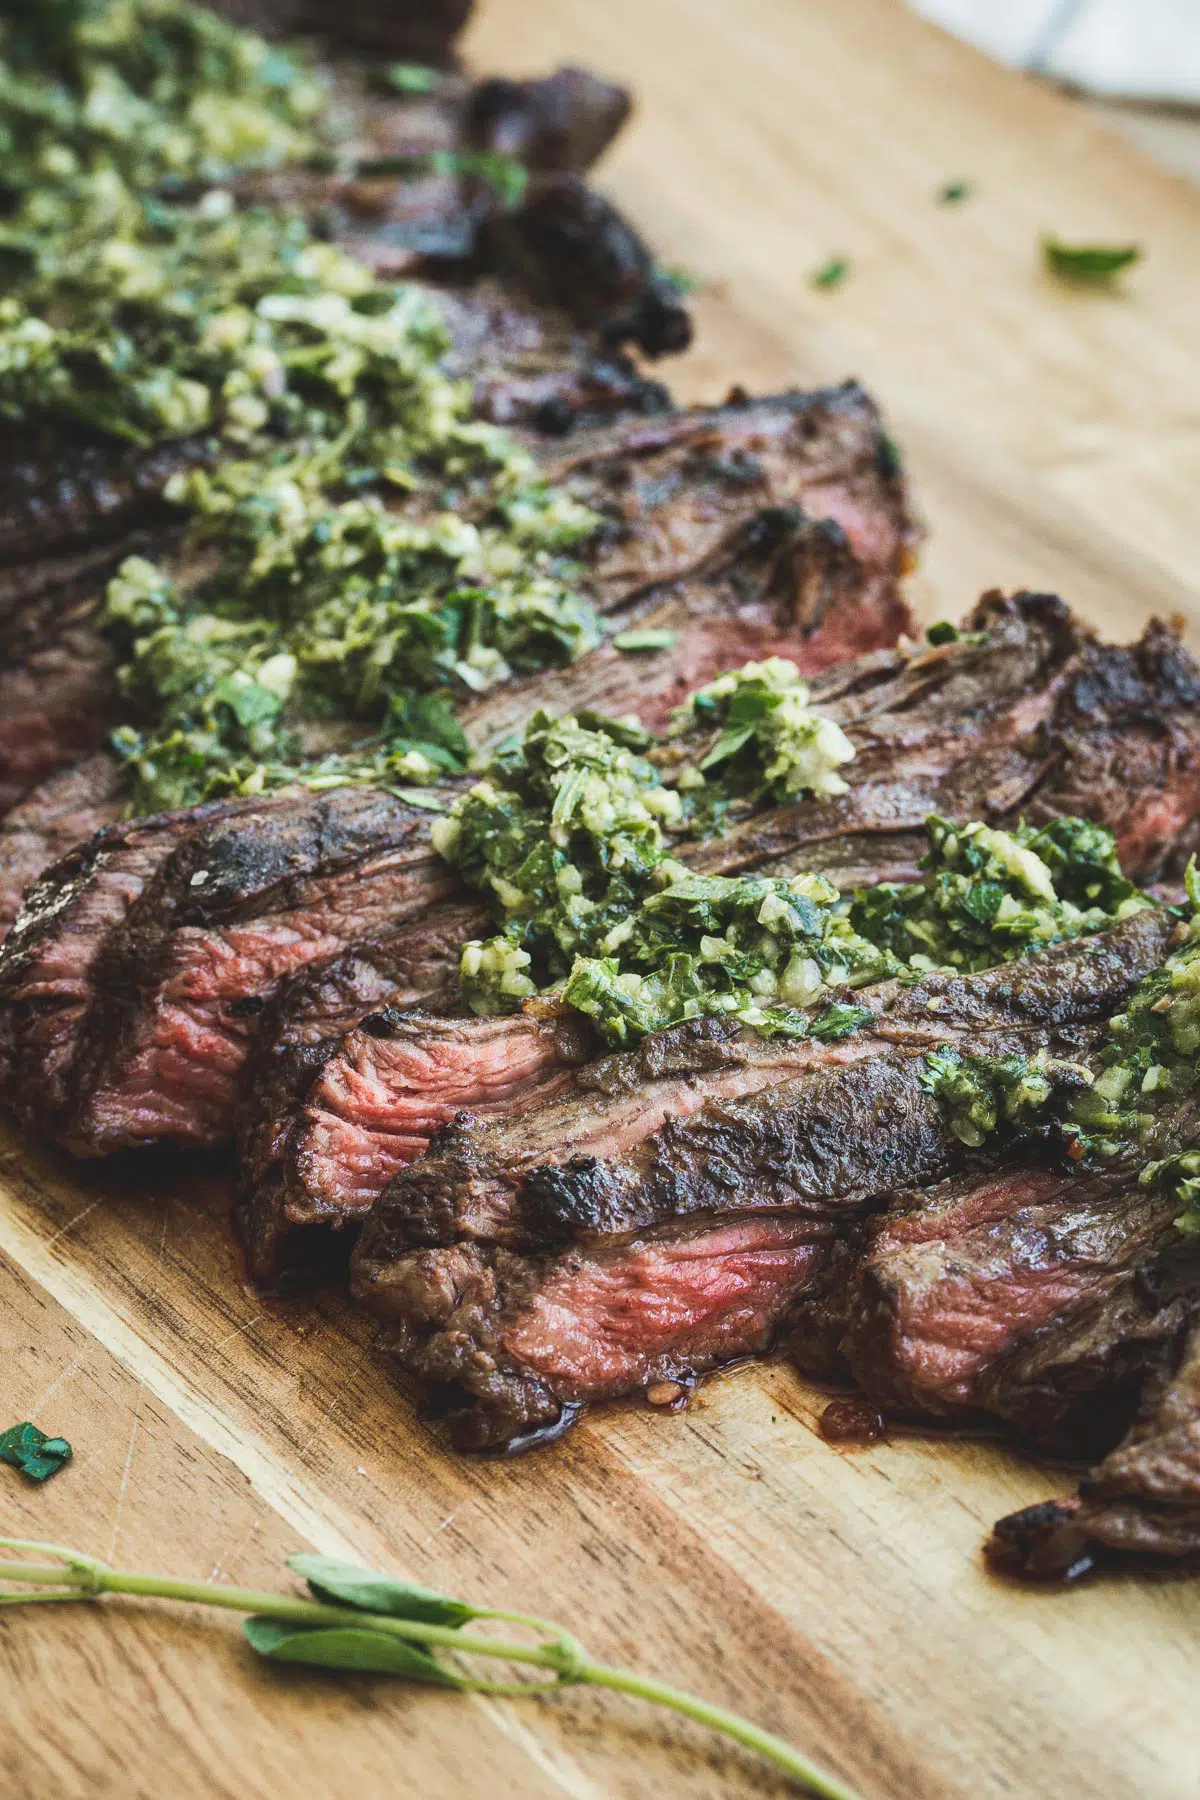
(1136, 61)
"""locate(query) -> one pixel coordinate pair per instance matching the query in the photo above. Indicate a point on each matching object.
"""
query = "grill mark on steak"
(62, 810)
(72, 495)
(1143, 1499)
(697, 1116)
(521, 1344)
(240, 904)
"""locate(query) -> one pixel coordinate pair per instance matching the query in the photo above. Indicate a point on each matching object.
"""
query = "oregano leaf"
(344, 1585)
(347, 1647)
(1084, 263)
(26, 1448)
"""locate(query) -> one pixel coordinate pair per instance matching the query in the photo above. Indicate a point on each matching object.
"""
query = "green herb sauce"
(359, 540)
(570, 837)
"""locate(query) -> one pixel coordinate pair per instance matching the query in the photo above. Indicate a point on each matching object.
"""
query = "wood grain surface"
(836, 1596)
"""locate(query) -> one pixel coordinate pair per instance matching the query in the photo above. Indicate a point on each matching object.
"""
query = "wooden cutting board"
(839, 1597)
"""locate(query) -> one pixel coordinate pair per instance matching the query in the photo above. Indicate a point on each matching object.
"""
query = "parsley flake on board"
(26, 1448)
(1087, 265)
(830, 274)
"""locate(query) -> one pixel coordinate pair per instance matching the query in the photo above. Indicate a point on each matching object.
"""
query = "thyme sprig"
(372, 1624)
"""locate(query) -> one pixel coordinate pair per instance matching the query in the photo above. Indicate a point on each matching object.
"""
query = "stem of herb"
(80, 1577)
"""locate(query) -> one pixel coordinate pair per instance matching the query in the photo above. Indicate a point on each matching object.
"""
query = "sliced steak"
(1143, 1500)
(60, 812)
(1029, 717)
(300, 1030)
(1017, 1296)
(485, 1273)
(709, 1116)
(56, 705)
(388, 1086)
(50, 958)
(518, 1345)
(241, 903)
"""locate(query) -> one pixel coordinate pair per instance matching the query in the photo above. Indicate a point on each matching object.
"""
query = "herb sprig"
(373, 1624)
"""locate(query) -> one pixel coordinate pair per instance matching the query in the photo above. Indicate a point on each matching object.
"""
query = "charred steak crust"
(50, 960)
(60, 812)
(1142, 1500)
(240, 904)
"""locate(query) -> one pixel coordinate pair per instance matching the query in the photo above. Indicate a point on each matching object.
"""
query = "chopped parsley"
(1086, 265)
(990, 895)
(830, 274)
(1127, 1096)
(26, 1448)
(953, 193)
(570, 836)
(763, 739)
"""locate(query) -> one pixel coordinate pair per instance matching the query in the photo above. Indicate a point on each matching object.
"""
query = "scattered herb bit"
(1088, 264)
(942, 632)
(682, 280)
(650, 639)
(372, 1624)
(26, 1448)
(830, 274)
(983, 1094)
(411, 78)
(953, 193)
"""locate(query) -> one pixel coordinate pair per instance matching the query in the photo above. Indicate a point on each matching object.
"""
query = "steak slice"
(50, 958)
(518, 1345)
(512, 1292)
(1143, 1500)
(299, 1031)
(240, 904)
(56, 705)
(710, 1116)
(61, 811)
(1018, 1296)
(388, 1086)
(1029, 718)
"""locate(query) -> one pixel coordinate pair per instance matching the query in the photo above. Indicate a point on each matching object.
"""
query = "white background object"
(1135, 49)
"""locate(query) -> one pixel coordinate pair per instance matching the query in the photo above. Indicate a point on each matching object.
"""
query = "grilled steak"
(483, 1266)
(62, 811)
(49, 960)
(700, 1117)
(1143, 1500)
(519, 1344)
(242, 902)
(1033, 720)
(1016, 1295)
(299, 1031)
(379, 1096)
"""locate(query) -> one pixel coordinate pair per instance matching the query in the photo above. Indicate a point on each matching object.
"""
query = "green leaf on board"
(347, 1647)
(344, 1585)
